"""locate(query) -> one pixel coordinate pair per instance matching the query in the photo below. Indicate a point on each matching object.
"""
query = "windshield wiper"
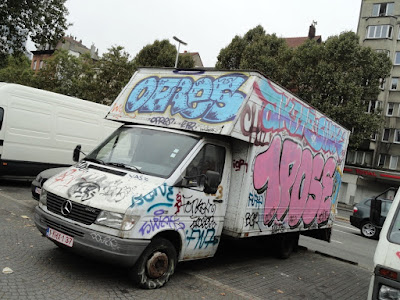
(125, 166)
(99, 161)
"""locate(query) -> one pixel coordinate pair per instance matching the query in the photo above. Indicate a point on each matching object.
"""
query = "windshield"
(144, 150)
(394, 231)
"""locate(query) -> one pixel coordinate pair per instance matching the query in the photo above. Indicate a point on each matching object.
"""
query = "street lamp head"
(179, 41)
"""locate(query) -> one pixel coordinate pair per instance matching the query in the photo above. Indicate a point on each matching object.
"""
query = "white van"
(40, 129)
(203, 154)
(385, 282)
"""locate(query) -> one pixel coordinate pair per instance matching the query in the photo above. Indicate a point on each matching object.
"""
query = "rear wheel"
(156, 264)
(369, 230)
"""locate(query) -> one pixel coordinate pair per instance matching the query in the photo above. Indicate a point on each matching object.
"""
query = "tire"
(156, 264)
(368, 230)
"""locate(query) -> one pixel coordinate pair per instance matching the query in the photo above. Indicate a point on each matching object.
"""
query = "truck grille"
(79, 212)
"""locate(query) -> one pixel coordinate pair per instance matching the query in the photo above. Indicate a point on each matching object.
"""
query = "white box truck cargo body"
(39, 129)
(204, 153)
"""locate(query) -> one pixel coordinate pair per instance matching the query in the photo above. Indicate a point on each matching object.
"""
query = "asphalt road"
(346, 243)
(40, 270)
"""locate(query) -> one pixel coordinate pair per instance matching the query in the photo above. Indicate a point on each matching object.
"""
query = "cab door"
(203, 214)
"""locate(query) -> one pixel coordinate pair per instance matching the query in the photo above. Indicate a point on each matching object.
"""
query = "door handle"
(218, 200)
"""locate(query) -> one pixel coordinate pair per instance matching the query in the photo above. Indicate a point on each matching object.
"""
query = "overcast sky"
(206, 25)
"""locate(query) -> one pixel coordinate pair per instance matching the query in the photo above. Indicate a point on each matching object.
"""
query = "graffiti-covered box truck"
(202, 154)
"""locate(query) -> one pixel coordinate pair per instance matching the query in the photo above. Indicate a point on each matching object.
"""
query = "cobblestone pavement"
(239, 271)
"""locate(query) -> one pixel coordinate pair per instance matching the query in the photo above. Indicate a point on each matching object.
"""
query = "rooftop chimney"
(311, 31)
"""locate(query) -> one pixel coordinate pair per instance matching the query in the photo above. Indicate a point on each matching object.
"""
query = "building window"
(382, 82)
(395, 83)
(381, 161)
(397, 58)
(373, 137)
(396, 136)
(379, 32)
(393, 162)
(385, 137)
(382, 9)
(373, 106)
(359, 157)
(387, 52)
(41, 64)
(390, 109)
(34, 64)
(368, 159)
(350, 157)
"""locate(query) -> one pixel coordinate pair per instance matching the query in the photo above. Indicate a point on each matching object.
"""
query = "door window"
(210, 158)
(394, 232)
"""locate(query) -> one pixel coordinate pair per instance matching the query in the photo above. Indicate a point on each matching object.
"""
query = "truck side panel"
(295, 166)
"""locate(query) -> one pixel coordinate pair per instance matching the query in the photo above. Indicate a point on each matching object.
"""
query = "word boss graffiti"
(297, 185)
(212, 100)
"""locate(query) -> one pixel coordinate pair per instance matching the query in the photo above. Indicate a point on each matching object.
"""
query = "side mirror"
(212, 181)
(375, 212)
(77, 152)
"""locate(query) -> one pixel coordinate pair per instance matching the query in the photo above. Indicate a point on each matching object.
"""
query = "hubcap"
(369, 229)
(157, 265)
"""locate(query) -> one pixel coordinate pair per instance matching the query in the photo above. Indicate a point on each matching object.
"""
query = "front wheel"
(368, 230)
(156, 264)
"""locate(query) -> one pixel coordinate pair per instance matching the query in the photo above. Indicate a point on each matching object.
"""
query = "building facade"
(68, 43)
(375, 166)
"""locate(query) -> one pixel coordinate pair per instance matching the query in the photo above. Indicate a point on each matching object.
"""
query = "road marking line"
(352, 234)
(336, 241)
(351, 228)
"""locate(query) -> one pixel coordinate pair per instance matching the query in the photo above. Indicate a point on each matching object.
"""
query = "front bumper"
(92, 243)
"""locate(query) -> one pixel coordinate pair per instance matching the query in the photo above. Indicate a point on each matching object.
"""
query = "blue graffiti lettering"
(281, 112)
(159, 221)
(163, 190)
(202, 237)
(211, 100)
(256, 200)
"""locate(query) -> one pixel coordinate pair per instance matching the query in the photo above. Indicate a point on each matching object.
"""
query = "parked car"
(360, 217)
(37, 183)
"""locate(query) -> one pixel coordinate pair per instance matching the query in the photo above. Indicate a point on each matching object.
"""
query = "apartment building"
(376, 166)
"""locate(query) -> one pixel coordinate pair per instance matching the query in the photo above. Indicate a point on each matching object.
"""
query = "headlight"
(38, 177)
(43, 197)
(388, 293)
(116, 220)
(110, 219)
(129, 221)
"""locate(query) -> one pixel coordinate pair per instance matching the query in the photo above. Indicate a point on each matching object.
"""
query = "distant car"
(360, 217)
(37, 183)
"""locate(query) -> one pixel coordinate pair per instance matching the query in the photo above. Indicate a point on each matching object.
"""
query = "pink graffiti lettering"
(298, 186)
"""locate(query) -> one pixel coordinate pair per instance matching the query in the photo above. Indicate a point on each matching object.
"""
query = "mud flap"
(319, 234)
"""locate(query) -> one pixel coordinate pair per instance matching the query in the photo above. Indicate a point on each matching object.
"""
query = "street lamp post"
(177, 54)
